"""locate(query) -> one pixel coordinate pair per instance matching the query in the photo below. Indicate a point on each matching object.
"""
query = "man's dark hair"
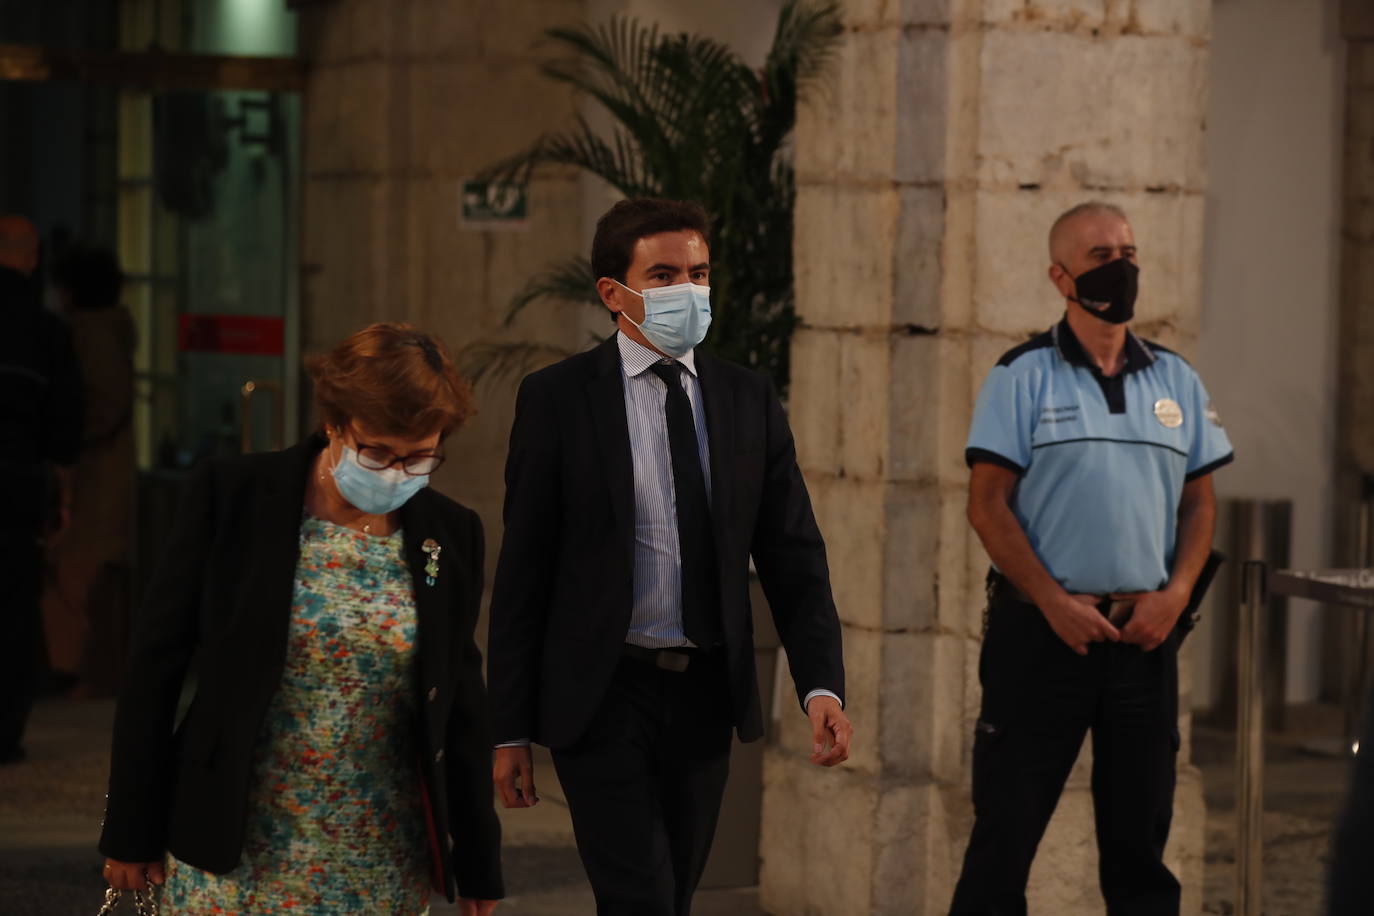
(90, 275)
(631, 220)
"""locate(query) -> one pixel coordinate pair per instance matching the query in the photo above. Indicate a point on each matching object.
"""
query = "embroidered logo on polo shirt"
(1211, 414)
(1168, 413)
(1066, 414)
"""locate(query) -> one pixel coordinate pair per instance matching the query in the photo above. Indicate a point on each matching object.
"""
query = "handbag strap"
(145, 903)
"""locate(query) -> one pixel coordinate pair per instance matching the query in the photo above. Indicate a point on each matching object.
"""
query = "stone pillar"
(953, 133)
(404, 99)
(1342, 644)
(1356, 378)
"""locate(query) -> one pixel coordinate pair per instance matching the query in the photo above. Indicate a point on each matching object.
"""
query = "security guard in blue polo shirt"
(1091, 453)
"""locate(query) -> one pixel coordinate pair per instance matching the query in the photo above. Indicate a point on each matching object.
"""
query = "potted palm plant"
(691, 121)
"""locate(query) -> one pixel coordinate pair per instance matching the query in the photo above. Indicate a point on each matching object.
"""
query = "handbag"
(145, 902)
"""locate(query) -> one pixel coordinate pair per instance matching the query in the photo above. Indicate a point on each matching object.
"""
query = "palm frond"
(497, 361)
(693, 122)
(618, 162)
(803, 48)
(804, 43)
(571, 281)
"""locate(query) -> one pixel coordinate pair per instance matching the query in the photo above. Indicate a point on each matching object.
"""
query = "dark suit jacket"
(223, 592)
(562, 598)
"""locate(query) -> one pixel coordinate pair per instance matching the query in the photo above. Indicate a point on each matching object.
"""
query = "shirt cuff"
(821, 693)
(522, 742)
(1209, 467)
(973, 455)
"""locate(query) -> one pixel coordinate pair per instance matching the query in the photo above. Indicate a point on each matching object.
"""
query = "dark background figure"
(86, 592)
(1352, 880)
(40, 434)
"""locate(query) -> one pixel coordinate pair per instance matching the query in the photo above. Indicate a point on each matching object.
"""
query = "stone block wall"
(1356, 379)
(404, 99)
(954, 132)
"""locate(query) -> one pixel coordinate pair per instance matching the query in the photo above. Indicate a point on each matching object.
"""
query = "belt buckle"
(672, 661)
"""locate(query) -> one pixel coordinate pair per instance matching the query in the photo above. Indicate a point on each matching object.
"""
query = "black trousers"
(21, 569)
(1352, 880)
(1040, 699)
(644, 785)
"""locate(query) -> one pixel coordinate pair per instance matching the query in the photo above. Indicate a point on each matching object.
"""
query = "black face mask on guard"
(1107, 292)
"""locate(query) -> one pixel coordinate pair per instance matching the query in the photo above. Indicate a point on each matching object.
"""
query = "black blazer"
(222, 592)
(562, 598)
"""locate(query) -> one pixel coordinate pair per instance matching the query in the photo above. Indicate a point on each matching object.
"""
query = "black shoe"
(14, 754)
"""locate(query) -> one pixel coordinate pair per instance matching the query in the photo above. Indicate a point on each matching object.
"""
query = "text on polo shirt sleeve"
(1002, 423)
(1210, 448)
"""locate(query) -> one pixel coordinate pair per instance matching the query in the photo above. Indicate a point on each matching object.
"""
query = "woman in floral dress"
(335, 757)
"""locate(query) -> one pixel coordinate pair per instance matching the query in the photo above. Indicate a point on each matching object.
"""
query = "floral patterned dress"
(335, 823)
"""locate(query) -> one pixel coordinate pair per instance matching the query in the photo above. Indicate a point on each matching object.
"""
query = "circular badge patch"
(1168, 413)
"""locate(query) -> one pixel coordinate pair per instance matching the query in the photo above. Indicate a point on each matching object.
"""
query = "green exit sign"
(495, 204)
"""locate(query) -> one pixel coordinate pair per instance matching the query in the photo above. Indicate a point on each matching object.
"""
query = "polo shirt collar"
(637, 358)
(1138, 356)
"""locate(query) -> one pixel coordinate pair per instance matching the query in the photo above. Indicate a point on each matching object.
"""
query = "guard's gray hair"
(1088, 206)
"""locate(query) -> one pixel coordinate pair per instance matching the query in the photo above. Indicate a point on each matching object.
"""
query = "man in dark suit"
(642, 476)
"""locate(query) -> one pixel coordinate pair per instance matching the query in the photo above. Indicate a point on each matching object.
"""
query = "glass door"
(208, 238)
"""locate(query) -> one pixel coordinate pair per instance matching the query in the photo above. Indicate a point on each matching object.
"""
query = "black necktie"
(700, 611)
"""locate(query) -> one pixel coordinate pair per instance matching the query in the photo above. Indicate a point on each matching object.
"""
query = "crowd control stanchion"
(1346, 587)
(1357, 679)
(1250, 738)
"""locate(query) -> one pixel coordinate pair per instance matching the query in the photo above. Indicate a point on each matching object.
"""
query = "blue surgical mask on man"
(374, 492)
(676, 317)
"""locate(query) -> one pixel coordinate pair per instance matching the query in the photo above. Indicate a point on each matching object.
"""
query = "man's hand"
(1153, 617)
(468, 907)
(1076, 620)
(830, 731)
(512, 773)
(133, 876)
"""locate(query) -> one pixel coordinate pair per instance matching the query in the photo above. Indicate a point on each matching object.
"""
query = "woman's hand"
(133, 876)
(468, 907)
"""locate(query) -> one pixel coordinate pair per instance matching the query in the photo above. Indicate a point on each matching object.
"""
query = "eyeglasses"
(416, 464)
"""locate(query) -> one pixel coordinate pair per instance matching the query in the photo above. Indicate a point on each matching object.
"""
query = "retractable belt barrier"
(1347, 587)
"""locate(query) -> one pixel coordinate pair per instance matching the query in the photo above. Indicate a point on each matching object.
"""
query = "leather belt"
(676, 659)
(1000, 586)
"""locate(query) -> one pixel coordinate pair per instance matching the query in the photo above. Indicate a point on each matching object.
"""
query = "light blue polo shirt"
(1102, 460)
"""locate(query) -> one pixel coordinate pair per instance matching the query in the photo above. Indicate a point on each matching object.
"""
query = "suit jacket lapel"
(606, 400)
(432, 601)
(279, 509)
(718, 401)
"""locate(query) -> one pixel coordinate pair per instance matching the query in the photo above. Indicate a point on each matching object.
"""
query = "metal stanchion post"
(1250, 741)
(1357, 680)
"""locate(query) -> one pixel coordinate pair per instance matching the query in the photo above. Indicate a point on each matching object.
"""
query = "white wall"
(1267, 350)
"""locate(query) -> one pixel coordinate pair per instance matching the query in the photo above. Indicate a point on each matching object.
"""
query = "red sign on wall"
(245, 335)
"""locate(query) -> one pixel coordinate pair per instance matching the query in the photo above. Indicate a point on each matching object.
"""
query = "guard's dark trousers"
(1039, 700)
(644, 785)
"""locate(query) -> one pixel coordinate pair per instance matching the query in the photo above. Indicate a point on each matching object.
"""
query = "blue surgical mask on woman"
(676, 317)
(374, 492)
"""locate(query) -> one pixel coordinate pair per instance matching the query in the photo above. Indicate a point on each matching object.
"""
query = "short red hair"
(394, 379)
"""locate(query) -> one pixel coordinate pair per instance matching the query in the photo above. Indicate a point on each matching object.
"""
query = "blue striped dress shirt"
(656, 617)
